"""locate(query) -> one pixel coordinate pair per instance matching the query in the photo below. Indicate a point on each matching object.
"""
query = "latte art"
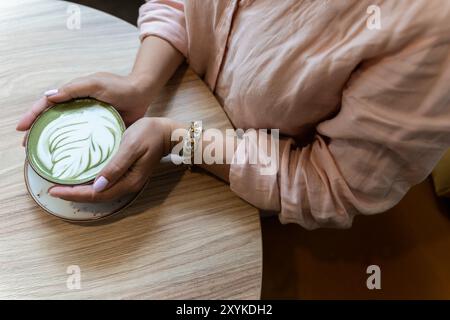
(76, 144)
(72, 142)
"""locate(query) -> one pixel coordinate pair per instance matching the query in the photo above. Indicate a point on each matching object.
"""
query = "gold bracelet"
(191, 141)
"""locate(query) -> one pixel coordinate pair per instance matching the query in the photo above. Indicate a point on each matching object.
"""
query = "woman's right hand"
(123, 92)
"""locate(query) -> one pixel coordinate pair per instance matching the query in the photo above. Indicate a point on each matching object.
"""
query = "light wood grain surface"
(187, 236)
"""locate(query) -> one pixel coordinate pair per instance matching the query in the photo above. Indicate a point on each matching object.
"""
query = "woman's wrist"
(144, 86)
(168, 126)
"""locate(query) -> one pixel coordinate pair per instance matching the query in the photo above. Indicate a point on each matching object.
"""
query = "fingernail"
(51, 92)
(51, 192)
(100, 184)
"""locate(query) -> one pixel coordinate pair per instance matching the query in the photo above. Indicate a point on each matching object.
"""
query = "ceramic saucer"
(67, 210)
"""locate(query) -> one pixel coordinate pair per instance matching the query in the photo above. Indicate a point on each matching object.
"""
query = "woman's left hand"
(143, 145)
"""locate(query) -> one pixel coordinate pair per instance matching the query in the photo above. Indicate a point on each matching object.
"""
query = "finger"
(118, 166)
(132, 181)
(124, 186)
(77, 194)
(36, 109)
(24, 140)
(79, 88)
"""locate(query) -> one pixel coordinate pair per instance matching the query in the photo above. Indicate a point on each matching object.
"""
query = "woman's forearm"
(156, 62)
(227, 148)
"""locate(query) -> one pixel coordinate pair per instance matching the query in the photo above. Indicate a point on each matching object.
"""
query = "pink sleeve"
(164, 19)
(393, 127)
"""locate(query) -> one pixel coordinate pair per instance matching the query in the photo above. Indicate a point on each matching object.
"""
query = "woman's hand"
(131, 95)
(123, 92)
(143, 145)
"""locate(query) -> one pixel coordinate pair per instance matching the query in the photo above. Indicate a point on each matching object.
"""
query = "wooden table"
(187, 236)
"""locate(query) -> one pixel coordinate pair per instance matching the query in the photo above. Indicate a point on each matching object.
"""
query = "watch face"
(71, 142)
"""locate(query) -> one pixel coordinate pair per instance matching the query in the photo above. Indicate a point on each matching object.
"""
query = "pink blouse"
(373, 105)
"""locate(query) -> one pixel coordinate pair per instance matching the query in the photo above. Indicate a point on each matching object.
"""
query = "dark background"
(124, 9)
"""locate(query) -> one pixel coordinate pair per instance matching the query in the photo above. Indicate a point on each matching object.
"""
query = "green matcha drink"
(71, 142)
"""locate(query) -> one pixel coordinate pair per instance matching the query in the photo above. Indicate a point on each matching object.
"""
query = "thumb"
(82, 87)
(117, 167)
(28, 118)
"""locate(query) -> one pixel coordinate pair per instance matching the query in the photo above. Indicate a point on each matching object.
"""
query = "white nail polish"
(100, 184)
(51, 92)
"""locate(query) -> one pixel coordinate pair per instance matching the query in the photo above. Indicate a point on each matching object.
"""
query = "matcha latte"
(71, 142)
